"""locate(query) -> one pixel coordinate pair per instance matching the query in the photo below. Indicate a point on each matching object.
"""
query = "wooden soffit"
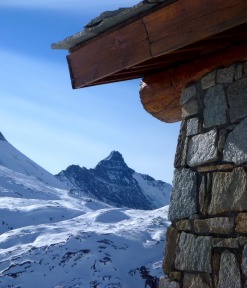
(169, 35)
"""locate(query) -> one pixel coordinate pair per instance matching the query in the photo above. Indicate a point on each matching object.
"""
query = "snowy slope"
(50, 238)
(113, 182)
(102, 248)
(156, 191)
(68, 242)
(13, 159)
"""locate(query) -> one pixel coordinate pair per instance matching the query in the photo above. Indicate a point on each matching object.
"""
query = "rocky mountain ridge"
(114, 183)
(50, 238)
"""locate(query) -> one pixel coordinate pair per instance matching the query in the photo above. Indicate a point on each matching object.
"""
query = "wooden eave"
(173, 34)
(170, 35)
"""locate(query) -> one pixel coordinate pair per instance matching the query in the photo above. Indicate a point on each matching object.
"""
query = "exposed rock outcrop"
(113, 182)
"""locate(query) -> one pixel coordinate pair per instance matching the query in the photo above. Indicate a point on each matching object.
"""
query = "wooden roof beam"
(168, 29)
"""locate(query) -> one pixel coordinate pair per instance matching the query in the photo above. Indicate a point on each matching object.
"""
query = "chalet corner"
(192, 58)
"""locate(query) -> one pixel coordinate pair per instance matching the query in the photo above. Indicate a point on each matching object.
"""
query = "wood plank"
(116, 51)
(170, 29)
(160, 93)
(187, 21)
(164, 62)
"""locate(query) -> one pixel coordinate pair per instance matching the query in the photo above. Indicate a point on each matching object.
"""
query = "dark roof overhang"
(151, 37)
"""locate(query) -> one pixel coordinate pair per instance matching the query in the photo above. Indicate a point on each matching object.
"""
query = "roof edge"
(106, 21)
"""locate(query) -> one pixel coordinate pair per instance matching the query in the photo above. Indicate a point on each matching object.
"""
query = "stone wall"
(206, 244)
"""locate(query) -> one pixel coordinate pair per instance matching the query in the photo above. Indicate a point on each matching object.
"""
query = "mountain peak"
(114, 161)
(114, 183)
(2, 137)
(114, 156)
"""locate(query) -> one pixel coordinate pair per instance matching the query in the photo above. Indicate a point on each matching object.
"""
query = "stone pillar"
(206, 244)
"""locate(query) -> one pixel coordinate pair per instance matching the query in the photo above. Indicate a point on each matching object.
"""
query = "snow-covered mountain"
(50, 239)
(114, 183)
(13, 159)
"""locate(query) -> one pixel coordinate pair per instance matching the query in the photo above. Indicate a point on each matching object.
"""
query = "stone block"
(237, 98)
(238, 71)
(184, 225)
(203, 196)
(166, 283)
(228, 192)
(209, 181)
(244, 261)
(241, 223)
(225, 75)
(187, 94)
(194, 253)
(218, 225)
(229, 274)
(169, 255)
(242, 240)
(177, 276)
(216, 267)
(190, 108)
(202, 148)
(180, 156)
(222, 139)
(215, 107)
(183, 201)
(184, 153)
(208, 80)
(235, 149)
(196, 280)
(192, 126)
(232, 243)
(215, 168)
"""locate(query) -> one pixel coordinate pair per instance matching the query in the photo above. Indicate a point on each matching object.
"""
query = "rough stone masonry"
(206, 244)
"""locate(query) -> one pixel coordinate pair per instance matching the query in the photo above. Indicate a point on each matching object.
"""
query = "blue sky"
(56, 126)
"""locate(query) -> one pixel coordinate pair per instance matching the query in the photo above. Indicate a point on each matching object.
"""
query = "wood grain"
(161, 33)
(115, 52)
(187, 21)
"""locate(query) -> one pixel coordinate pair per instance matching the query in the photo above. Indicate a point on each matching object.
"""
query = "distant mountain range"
(114, 183)
(52, 238)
